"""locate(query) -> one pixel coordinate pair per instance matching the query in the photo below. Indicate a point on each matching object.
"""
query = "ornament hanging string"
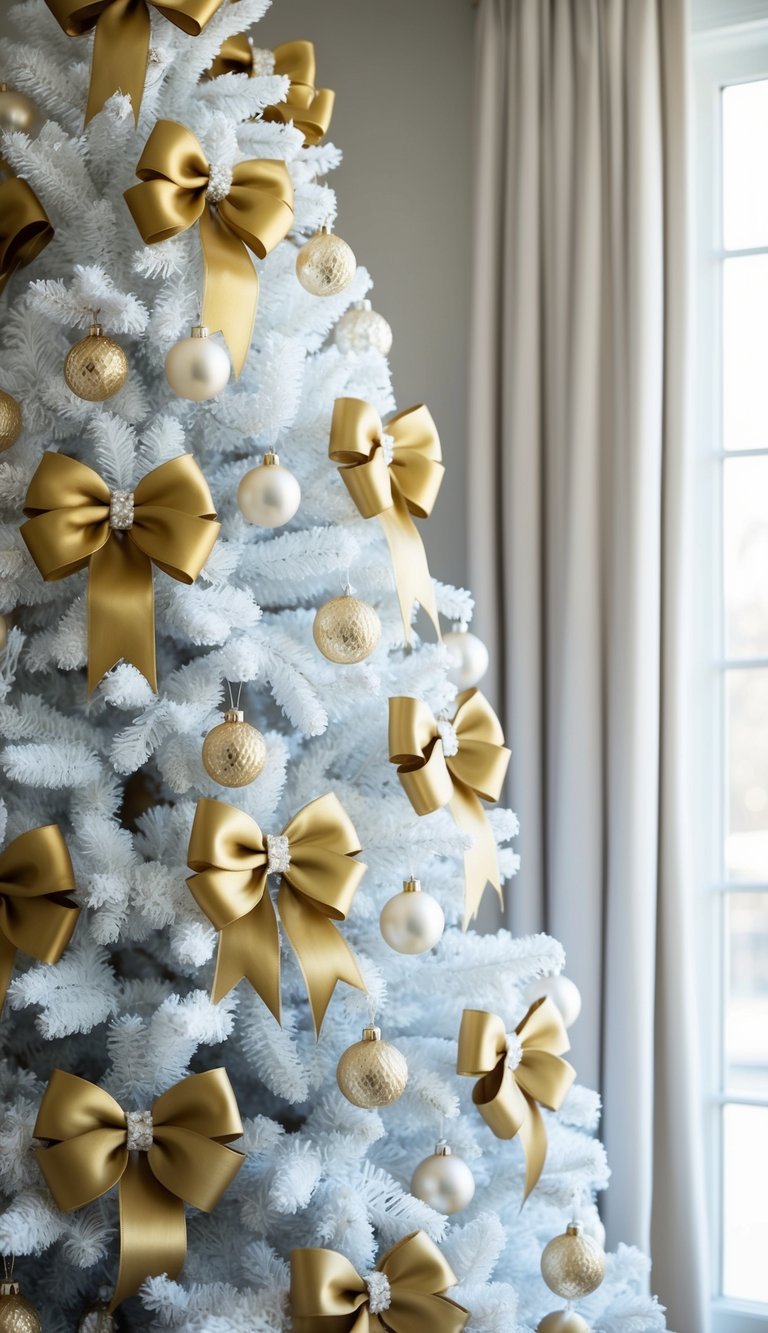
(256, 213)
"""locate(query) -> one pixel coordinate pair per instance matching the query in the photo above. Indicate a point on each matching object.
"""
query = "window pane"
(745, 1190)
(746, 843)
(746, 1016)
(745, 382)
(745, 538)
(745, 151)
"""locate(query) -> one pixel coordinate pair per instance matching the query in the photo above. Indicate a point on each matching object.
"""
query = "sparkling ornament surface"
(139, 1131)
(268, 495)
(562, 991)
(372, 1072)
(18, 112)
(278, 853)
(325, 265)
(563, 1321)
(572, 1265)
(10, 421)
(121, 509)
(412, 922)
(197, 368)
(470, 656)
(346, 630)
(96, 367)
(443, 1181)
(363, 329)
(97, 1320)
(17, 1315)
(234, 752)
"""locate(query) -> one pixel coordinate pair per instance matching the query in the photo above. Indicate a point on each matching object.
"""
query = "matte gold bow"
(453, 763)
(25, 228)
(393, 491)
(328, 1295)
(173, 1154)
(121, 39)
(315, 854)
(514, 1074)
(307, 107)
(36, 915)
(179, 187)
(73, 522)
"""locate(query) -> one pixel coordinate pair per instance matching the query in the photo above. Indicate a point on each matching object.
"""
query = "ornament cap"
(574, 1229)
(443, 1149)
(411, 885)
(199, 331)
(371, 1034)
(96, 330)
(234, 715)
(270, 459)
(363, 305)
(9, 1288)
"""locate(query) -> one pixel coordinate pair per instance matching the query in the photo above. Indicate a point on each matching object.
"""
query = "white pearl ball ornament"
(363, 329)
(197, 368)
(470, 657)
(269, 495)
(443, 1181)
(562, 991)
(412, 922)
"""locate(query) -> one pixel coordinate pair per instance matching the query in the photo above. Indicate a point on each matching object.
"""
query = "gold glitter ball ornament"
(18, 112)
(563, 1321)
(96, 367)
(346, 630)
(372, 1072)
(234, 752)
(325, 265)
(17, 1315)
(573, 1265)
(10, 421)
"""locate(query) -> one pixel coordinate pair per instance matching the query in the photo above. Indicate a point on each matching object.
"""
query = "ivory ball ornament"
(562, 991)
(412, 922)
(197, 368)
(443, 1181)
(268, 495)
(470, 658)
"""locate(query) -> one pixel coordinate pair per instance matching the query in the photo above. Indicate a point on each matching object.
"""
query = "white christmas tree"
(128, 1005)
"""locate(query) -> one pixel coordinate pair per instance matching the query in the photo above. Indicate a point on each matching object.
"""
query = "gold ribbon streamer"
(188, 1162)
(392, 492)
(36, 915)
(307, 107)
(328, 1295)
(25, 227)
(507, 1097)
(230, 854)
(433, 778)
(256, 212)
(68, 507)
(121, 39)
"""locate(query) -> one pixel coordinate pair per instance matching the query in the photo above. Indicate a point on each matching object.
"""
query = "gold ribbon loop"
(187, 1160)
(454, 764)
(256, 212)
(393, 491)
(25, 228)
(328, 1295)
(36, 915)
(68, 508)
(121, 39)
(307, 107)
(514, 1077)
(230, 856)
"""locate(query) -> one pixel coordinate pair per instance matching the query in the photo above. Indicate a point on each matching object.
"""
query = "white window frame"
(731, 46)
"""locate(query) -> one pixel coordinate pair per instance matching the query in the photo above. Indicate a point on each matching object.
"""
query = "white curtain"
(577, 465)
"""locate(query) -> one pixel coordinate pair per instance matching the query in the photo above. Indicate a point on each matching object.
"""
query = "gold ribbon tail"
(481, 864)
(250, 948)
(322, 952)
(120, 51)
(231, 287)
(153, 1230)
(409, 562)
(7, 956)
(533, 1137)
(121, 611)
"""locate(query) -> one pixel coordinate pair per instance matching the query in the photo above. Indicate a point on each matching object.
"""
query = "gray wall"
(402, 71)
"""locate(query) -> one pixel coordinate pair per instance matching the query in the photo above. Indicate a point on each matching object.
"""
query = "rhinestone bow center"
(514, 1051)
(219, 183)
(387, 443)
(139, 1131)
(379, 1292)
(121, 510)
(278, 853)
(447, 734)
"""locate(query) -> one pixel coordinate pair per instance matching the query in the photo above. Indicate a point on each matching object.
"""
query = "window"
(731, 783)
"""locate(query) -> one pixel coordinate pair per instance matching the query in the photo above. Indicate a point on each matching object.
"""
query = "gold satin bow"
(68, 507)
(178, 189)
(307, 107)
(121, 39)
(187, 1161)
(36, 915)
(433, 776)
(392, 492)
(231, 856)
(328, 1295)
(512, 1082)
(25, 228)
